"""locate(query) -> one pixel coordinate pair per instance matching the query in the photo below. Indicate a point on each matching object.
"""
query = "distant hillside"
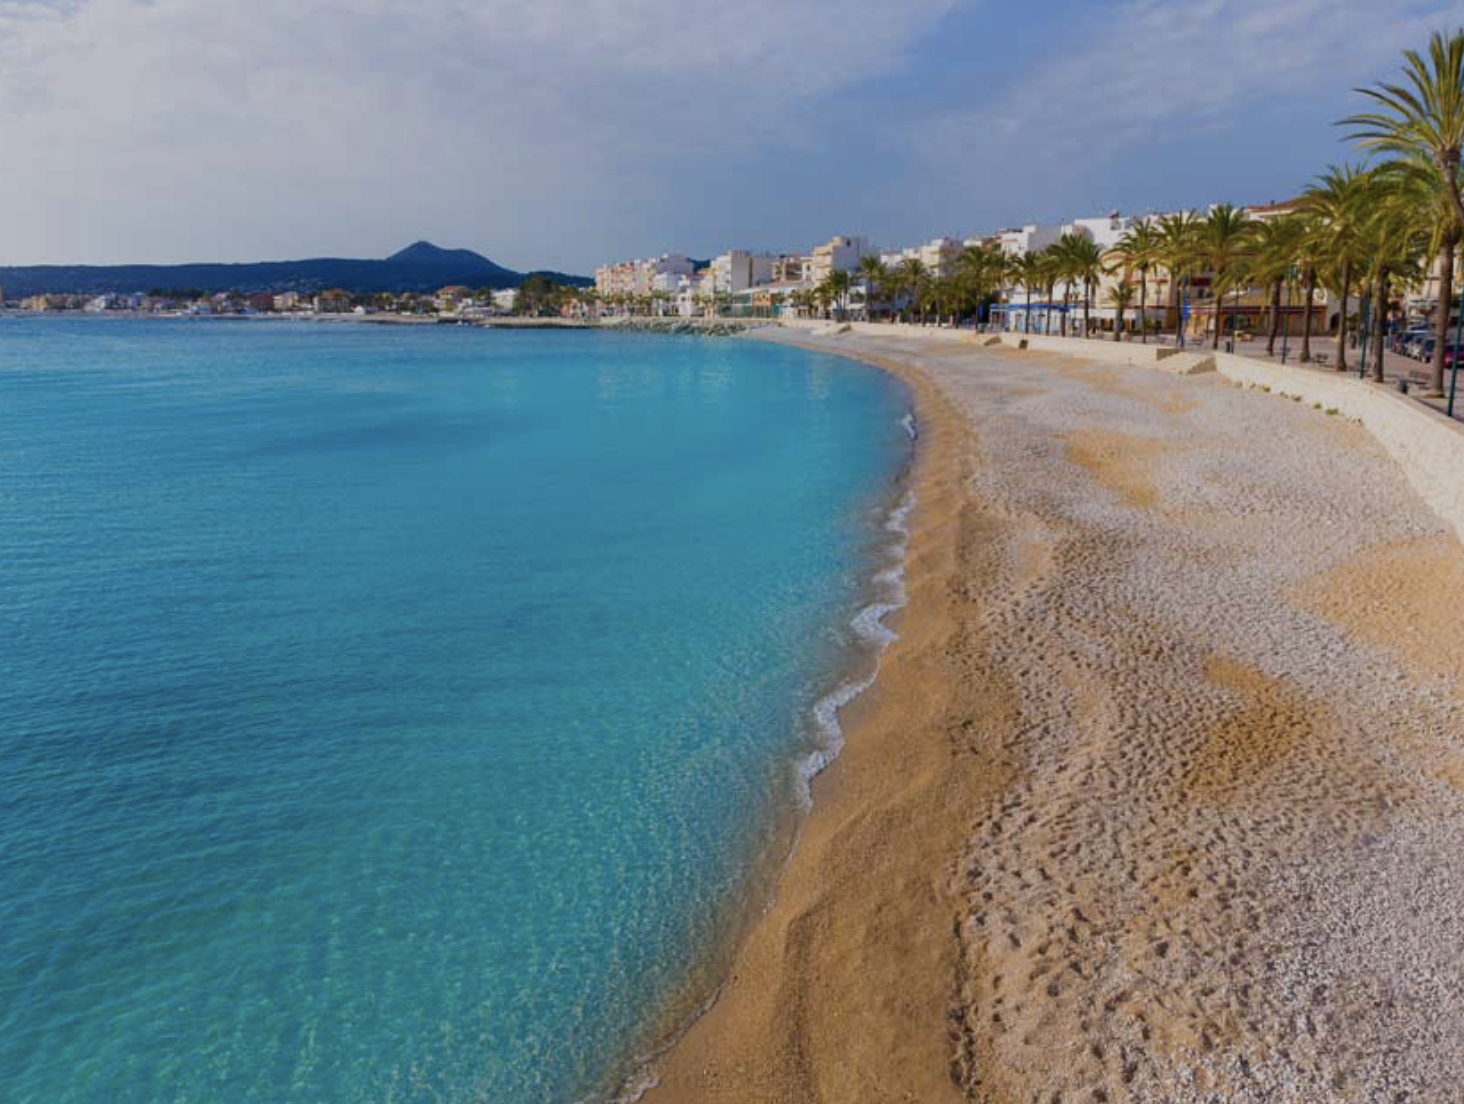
(419, 267)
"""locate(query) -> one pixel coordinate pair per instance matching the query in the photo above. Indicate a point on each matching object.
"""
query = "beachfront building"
(738, 270)
(449, 299)
(838, 254)
(334, 301)
(638, 278)
(1105, 231)
(1032, 238)
(791, 268)
(940, 256)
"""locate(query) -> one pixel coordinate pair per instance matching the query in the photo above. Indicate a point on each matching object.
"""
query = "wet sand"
(1160, 794)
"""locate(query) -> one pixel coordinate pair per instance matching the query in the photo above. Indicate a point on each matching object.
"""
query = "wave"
(870, 629)
(874, 635)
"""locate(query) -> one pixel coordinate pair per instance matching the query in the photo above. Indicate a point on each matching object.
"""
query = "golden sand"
(1064, 854)
(843, 990)
(1119, 461)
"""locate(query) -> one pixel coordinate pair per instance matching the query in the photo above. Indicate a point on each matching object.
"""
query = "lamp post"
(1286, 325)
(1454, 360)
(1366, 326)
(1183, 308)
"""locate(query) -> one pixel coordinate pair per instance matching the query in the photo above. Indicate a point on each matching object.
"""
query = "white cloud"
(1127, 74)
(186, 129)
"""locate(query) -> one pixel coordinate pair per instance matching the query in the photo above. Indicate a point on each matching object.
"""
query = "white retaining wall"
(1427, 445)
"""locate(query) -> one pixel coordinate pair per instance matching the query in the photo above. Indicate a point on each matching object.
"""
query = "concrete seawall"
(1428, 446)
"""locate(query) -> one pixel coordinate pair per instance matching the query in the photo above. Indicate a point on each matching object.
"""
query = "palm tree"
(1122, 294)
(1178, 248)
(1338, 202)
(914, 279)
(1270, 265)
(980, 270)
(1085, 263)
(875, 274)
(1067, 253)
(1224, 241)
(1030, 269)
(1138, 251)
(1051, 273)
(1422, 118)
(1393, 244)
(839, 284)
(1395, 240)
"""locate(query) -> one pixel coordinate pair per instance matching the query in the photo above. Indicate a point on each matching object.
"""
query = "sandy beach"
(1160, 795)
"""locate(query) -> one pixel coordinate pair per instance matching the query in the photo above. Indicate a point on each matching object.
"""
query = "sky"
(566, 133)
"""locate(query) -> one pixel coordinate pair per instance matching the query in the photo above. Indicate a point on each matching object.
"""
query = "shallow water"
(393, 714)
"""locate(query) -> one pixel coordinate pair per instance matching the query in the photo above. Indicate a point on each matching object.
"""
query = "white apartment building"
(738, 270)
(1105, 231)
(638, 277)
(1031, 238)
(838, 254)
(939, 256)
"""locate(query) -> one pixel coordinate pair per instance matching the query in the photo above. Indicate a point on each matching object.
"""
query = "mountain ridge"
(419, 267)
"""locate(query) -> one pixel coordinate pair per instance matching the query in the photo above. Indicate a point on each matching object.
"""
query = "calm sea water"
(395, 715)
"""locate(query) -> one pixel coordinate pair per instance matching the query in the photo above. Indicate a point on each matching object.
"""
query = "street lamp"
(1366, 327)
(1286, 325)
(1454, 361)
(1183, 307)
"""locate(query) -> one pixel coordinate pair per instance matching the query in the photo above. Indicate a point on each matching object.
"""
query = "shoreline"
(738, 1045)
(1160, 791)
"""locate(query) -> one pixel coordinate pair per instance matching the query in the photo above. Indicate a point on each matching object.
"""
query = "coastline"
(1157, 795)
(872, 867)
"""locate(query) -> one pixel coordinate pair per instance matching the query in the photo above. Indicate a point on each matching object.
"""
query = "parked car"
(1409, 341)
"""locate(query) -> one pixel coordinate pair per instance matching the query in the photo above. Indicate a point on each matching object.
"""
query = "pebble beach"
(1160, 795)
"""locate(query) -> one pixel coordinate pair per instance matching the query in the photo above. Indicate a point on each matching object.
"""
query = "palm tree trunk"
(1275, 318)
(1306, 317)
(1342, 318)
(1219, 321)
(1441, 322)
(1143, 307)
(1087, 303)
(1118, 323)
(1174, 304)
(1382, 323)
(1027, 319)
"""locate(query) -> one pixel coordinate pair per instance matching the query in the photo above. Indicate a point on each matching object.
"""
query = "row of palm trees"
(1361, 232)
(912, 290)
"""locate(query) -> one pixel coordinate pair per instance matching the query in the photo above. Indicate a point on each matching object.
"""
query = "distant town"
(1115, 275)
(844, 275)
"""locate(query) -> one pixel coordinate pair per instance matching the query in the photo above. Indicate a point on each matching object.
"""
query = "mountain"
(421, 266)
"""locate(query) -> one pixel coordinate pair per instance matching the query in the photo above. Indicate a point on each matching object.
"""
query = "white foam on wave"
(870, 628)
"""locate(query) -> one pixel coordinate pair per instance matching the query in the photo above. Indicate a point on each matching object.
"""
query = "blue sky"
(567, 132)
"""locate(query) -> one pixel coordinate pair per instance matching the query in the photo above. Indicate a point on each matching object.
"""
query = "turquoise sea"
(400, 714)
